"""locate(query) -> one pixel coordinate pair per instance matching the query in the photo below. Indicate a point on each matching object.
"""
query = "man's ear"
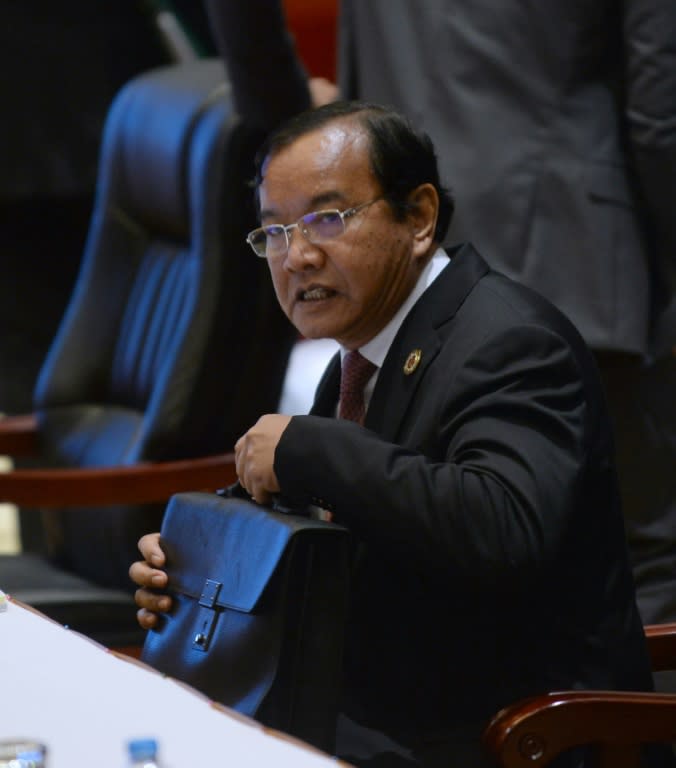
(423, 212)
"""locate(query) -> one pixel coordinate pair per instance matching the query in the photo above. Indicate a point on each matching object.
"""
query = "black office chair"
(171, 346)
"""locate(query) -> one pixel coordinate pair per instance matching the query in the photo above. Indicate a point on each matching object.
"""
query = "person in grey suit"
(555, 125)
(489, 554)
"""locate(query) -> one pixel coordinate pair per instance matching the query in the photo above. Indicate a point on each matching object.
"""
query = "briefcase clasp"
(207, 616)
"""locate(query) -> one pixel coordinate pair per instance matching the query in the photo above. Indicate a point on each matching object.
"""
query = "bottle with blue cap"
(22, 753)
(143, 753)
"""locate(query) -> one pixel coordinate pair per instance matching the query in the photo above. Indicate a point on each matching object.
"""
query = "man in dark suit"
(490, 561)
(556, 123)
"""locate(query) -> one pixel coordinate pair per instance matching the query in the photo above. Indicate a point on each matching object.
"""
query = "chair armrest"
(138, 483)
(661, 645)
(534, 731)
(19, 435)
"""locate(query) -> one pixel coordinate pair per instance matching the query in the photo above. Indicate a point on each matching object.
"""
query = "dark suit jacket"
(269, 82)
(555, 125)
(490, 560)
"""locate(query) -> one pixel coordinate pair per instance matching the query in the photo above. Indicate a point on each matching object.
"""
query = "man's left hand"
(255, 457)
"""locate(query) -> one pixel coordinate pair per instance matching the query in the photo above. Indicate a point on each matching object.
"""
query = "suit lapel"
(402, 372)
(328, 390)
(418, 341)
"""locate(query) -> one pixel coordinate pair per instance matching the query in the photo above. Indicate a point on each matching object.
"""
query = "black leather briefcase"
(260, 599)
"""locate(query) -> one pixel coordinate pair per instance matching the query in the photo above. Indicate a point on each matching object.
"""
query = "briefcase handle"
(279, 504)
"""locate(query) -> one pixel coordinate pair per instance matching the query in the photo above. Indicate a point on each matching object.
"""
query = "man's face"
(347, 288)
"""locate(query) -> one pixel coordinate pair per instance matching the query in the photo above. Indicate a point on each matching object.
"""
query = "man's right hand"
(150, 577)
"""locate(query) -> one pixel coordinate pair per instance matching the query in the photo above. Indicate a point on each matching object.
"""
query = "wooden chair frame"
(140, 483)
(534, 731)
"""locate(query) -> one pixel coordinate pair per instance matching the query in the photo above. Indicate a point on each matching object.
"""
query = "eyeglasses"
(272, 241)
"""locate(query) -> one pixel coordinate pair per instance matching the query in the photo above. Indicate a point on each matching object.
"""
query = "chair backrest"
(173, 342)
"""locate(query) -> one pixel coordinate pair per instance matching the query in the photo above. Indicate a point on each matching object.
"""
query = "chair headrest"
(149, 136)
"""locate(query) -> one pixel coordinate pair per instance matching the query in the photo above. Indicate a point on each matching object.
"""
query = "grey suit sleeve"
(268, 79)
(650, 65)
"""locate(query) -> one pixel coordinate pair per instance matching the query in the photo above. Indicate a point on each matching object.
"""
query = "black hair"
(401, 157)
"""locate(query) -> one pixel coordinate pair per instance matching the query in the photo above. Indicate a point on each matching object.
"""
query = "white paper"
(85, 703)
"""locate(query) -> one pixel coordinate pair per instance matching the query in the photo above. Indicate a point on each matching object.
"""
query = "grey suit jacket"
(555, 125)
(490, 560)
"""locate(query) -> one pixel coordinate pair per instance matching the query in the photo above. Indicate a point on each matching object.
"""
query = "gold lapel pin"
(412, 361)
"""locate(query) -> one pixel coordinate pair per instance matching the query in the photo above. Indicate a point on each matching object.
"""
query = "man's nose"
(301, 253)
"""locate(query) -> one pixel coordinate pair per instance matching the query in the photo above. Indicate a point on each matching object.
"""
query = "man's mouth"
(316, 293)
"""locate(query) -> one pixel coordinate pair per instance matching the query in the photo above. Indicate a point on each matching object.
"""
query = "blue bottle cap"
(142, 749)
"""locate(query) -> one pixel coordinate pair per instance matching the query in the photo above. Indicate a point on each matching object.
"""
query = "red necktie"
(356, 371)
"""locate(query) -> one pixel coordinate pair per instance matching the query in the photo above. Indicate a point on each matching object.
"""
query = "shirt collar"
(377, 348)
